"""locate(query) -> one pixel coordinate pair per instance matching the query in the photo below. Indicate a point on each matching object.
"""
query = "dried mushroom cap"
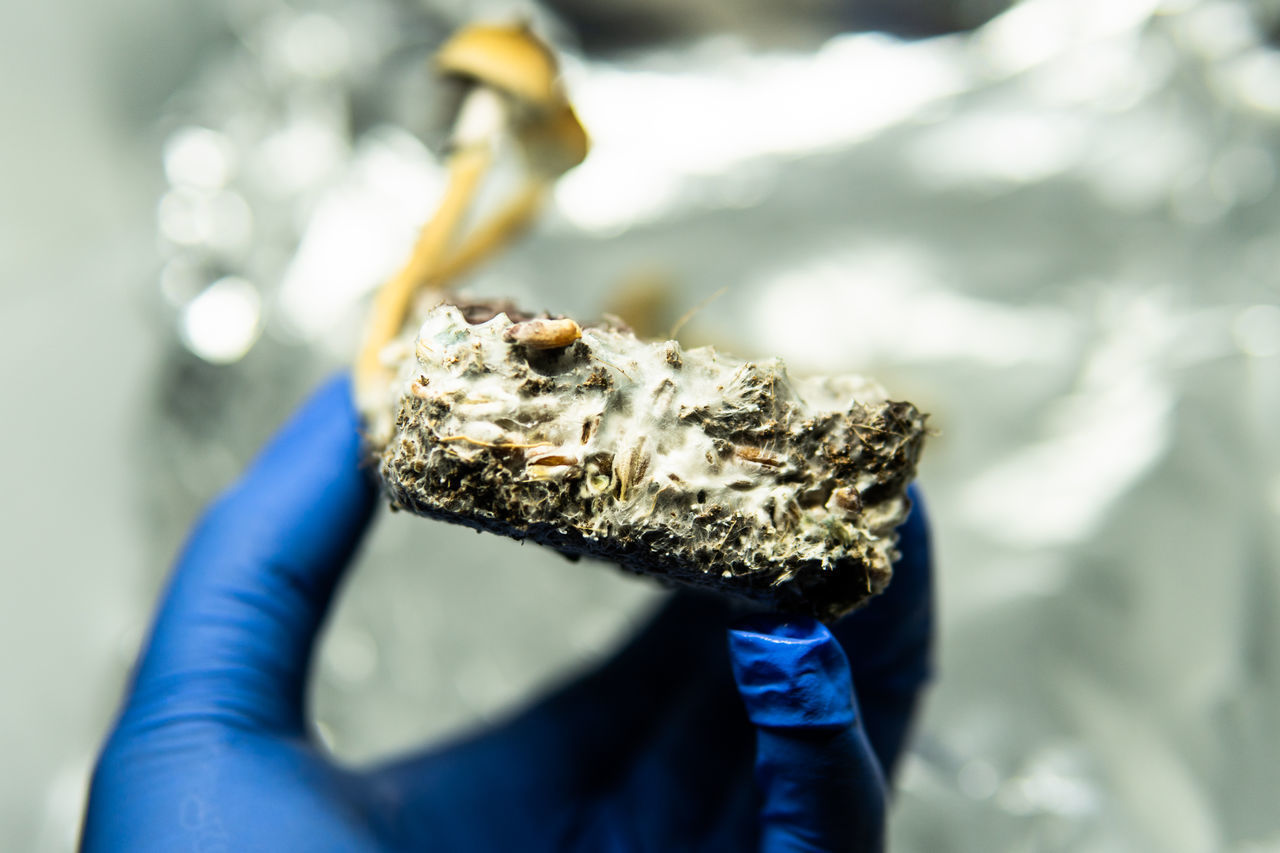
(507, 58)
(555, 143)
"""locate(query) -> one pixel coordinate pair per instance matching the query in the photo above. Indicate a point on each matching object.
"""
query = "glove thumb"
(822, 787)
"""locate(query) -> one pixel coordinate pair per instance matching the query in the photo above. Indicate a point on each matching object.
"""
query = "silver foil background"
(1056, 233)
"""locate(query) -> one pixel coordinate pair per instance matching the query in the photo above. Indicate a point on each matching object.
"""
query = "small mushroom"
(513, 87)
(551, 138)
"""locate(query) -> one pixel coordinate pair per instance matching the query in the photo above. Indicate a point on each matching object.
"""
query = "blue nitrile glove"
(652, 751)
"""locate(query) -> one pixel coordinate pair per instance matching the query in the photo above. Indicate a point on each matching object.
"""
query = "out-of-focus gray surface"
(75, 238)
(1057, 234)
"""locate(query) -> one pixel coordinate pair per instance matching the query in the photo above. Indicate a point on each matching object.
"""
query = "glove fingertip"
(791, 673)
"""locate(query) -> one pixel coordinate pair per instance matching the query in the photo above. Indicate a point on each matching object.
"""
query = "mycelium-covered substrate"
(688, 465)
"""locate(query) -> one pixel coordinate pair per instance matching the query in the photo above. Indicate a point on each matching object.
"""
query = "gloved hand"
(650, 752)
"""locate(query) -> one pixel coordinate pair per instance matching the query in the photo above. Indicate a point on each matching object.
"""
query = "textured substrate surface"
(683, 464)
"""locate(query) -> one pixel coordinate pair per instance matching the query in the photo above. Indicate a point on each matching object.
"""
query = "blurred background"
(1050, 223)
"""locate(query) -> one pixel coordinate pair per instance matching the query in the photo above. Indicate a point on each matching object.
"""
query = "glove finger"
(234, 633)
(889, 641)
(821, 785)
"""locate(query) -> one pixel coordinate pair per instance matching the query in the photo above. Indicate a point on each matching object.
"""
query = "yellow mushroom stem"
(553, 142)
(392, 302)
(500, 229)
